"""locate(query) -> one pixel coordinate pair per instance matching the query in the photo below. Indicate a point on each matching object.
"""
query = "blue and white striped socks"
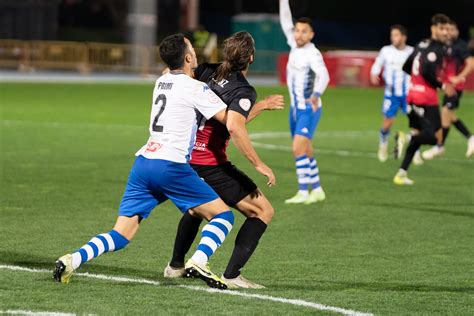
(307, 172)
(314, 174)
(384, 133)
(213, 235)
(108, 242)
(303, 173)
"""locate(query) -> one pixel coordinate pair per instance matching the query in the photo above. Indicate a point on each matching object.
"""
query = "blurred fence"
(85, 57)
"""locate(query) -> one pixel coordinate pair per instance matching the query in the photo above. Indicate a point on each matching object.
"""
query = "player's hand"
(449, 89)
(275, 102)
(314, 100)
(267, 172)
(375, 80)
(457, 79)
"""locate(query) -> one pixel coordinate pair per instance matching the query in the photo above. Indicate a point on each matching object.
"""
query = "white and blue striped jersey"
(177, 101)
(391, 59)
(306, 72)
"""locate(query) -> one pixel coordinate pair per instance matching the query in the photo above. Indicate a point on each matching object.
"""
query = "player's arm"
(468, 68)
(322, 79)
(430, 67)
(241, 139)
(270, 103)
(286, 21)
(377, 68)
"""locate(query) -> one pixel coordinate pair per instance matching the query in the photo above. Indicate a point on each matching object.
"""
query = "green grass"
(371, 246)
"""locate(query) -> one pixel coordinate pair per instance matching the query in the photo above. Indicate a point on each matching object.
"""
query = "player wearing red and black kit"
(209, 160)
(209, 157)
(457, 55)
(425, 66)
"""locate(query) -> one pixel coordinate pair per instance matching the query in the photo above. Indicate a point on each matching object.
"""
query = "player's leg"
(317, 193)
(189, 192)
(460, 126)
(301, 145)
(447, 117)
(427, 121)
(389, 111)
(137, 203)
(259, 213)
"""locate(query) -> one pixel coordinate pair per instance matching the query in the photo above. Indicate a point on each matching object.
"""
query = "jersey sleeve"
(206, 101)
(286, 21)
(322, 75)
(378, 64)
(243, 101)
(430, 67)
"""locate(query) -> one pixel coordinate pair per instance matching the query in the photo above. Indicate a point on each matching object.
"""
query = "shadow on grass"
(427, 208)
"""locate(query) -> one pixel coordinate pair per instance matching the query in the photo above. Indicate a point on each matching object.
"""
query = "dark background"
(347, 24)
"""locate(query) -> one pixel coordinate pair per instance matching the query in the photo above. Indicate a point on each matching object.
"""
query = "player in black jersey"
(458, 62)
(210, 161)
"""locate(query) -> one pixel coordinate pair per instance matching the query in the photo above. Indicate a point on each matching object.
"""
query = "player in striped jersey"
(391, 59)
(307, 79)
(161, 170)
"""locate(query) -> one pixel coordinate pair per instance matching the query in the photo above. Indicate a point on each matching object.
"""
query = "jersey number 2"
(155, 126)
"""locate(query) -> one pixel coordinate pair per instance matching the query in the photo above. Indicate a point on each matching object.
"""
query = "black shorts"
(231, 184)
(424, 118)
(452, 103)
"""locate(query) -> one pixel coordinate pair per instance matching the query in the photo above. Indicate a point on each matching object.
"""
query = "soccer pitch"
(371, 247)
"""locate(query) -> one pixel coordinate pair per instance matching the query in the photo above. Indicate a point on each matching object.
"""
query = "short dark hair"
(305, 21)
(399, 27)
(440, 18)
(172, 51)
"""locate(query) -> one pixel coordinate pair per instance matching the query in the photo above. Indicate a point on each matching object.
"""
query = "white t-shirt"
(177, 101)
(391, 59)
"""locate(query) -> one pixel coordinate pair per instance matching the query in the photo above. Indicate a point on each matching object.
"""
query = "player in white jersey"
(161, 170)
(307, 79)
(391, 59)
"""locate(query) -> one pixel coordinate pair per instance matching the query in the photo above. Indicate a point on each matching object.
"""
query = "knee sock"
(303, 172)
(314, 174)
(213, 235)
(187, 231)
(108, 242)
(462, 128)
(445, 135)
(245, 244)
(384, 133)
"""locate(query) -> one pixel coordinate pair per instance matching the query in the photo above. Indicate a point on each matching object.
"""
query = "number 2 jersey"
(426, 66)
(179, 102)
(212, 137)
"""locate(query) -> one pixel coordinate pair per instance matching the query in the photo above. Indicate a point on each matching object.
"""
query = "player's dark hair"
(400, 28)
(172, 51)
(452, 22)
(305, 21)
(440, 18)
(237, 50)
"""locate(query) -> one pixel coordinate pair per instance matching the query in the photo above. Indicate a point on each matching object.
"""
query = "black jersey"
(235, 90)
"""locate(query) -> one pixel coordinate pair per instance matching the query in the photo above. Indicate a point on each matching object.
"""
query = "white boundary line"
(296, 302)
(253, 136)
(342, 153)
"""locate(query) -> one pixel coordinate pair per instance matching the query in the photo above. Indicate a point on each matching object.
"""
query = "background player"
(307, 79)
(425, 65)
(161, 170)
(457, 59)
(210, 161)
(391, 59)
